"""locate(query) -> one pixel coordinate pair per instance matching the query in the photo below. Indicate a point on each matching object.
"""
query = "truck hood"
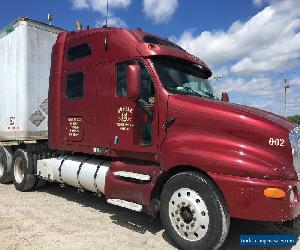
(196, 102)
(275, 119)
(242, 140)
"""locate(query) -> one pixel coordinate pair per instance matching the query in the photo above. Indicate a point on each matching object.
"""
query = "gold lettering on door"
(73, 126)
(125, 121)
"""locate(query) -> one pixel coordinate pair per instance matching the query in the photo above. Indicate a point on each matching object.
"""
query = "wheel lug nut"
(192, 225)
(187, 227)
(181, 225)
(189, 205)
(178, 205)
(176, 212)
(194, 219)
(178, 219)
(193, 211)
(183, 203)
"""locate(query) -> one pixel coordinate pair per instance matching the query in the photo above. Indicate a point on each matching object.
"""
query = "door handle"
(169, 122)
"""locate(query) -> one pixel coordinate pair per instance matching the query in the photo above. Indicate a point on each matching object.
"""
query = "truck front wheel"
(5, 165)
(193, 212)
(23, 176)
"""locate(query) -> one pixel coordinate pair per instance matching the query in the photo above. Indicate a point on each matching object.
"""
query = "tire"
(40, 183)
(22, 169)
(296, 226)
(193, 212)
(5, 165)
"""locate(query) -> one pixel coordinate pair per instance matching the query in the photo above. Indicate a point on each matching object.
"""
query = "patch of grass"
(295, 118)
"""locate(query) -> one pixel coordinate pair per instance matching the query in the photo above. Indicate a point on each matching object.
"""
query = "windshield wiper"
(209, 94)
(193, 91)
(184, 87)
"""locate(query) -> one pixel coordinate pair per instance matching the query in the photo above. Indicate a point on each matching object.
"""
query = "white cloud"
(264, 93)
(80, 4)
(161, 11)
(294, 82)
(222, 71)
(268, 41)
(259, 3)
(250, 55)
(100, 6)
(260, 86)
(112, 22)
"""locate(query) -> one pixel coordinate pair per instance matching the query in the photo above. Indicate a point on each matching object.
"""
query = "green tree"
(295, 118)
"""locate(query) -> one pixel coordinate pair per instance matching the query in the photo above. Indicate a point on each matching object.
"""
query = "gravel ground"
(61, 218)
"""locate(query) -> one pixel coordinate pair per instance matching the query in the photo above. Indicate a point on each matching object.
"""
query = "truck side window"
(78, 52)
(147, 87)
(122, 79)
(74, 85)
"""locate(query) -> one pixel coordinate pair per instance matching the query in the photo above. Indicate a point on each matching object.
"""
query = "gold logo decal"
(125, 118)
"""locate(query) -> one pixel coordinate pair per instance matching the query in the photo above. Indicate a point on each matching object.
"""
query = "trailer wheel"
(193, 212)
(5, 165)
(23, 176)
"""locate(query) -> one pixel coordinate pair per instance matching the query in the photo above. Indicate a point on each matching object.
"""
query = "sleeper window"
(74, 85)
(78, 52)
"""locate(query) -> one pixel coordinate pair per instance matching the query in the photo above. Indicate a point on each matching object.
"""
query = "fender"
(215, 154)
(226, 140)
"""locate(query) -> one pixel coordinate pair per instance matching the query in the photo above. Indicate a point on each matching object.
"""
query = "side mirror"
(133, 82)
(225, 97)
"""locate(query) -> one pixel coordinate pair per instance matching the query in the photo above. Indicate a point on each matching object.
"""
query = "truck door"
(134, 125)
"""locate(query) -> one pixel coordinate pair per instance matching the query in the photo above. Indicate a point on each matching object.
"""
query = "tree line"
(295, 118)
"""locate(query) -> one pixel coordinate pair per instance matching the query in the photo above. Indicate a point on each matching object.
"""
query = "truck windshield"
(180, 77)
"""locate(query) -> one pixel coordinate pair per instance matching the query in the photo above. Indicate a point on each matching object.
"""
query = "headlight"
(295, 140)
(294, 137)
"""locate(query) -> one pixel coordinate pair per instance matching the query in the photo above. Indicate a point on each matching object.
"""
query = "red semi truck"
(132, 116)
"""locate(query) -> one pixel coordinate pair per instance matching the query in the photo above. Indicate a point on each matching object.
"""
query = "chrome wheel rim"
(2, 164)
(19, 170)
(188, 214)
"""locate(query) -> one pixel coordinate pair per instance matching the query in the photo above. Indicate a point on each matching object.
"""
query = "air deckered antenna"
(106, 13)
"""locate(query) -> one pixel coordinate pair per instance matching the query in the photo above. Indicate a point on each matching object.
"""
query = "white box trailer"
(25, 61)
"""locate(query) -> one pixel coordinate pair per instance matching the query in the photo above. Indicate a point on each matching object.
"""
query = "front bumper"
(245, 198)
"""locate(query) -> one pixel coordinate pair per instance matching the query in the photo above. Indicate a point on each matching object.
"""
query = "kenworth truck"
(133, 117)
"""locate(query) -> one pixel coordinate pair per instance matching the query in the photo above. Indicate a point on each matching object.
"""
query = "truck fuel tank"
(78, 171)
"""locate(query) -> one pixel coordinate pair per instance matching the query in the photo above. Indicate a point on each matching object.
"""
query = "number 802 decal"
(276, 142)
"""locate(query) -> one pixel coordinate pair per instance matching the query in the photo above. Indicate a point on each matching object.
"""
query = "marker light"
(152, 46)
(274, 193)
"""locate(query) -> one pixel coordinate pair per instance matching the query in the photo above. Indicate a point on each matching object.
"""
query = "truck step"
(127, 204)
(132, 175)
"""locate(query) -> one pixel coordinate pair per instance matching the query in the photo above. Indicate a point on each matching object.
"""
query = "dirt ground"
(61, 218)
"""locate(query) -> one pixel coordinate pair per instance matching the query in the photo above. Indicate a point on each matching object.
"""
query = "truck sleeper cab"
(132, 116)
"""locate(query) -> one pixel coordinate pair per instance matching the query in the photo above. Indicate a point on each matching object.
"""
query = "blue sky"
(252, 44)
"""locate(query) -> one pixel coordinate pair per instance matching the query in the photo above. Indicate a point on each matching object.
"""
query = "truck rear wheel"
(23, 176)
(193, 212)
(5, 165)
